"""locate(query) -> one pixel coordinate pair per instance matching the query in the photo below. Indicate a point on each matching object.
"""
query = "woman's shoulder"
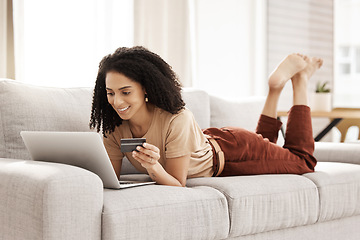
(183, 115)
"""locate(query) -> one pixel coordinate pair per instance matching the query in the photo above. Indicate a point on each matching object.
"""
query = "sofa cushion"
(339, 189)
(335, 152)
(266, 202)
(163, 212)
(243, 113)
(198, 102)
(27, 107)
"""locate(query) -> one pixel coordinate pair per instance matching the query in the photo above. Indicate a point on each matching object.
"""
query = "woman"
(138, 95)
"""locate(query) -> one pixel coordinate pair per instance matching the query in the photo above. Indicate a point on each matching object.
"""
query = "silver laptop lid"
(81, 149)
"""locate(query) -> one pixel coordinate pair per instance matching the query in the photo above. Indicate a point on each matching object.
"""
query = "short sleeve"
(183, 135)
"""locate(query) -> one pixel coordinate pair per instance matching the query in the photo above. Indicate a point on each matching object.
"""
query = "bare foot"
(300, 80)
(313, 64)
(290, 66)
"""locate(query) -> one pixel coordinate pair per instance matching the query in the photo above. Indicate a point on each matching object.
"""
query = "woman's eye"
(126, 93)
(110, 94)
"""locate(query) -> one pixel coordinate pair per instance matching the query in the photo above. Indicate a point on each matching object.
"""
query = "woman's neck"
(141, 124)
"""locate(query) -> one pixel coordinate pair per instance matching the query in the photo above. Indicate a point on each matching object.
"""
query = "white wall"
(229, 40)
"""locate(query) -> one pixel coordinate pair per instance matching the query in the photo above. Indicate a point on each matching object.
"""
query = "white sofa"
(40, 200)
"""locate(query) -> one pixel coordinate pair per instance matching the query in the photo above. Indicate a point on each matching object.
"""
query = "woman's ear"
(146, 95)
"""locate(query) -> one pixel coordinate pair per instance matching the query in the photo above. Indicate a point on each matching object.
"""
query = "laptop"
(81, 149)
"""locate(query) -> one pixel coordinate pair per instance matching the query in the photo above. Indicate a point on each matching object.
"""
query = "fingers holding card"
(130, 144)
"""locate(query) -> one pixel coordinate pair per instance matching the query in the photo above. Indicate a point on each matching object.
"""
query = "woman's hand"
(147, 155)
(176, 170)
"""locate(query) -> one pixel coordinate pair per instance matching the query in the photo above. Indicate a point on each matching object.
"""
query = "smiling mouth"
(121, 110)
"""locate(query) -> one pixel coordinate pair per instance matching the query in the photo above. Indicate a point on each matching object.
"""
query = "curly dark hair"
(143, 66)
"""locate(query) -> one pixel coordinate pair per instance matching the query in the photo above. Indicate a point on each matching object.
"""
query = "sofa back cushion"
(198, 102)
(26, 107)
(243, 113)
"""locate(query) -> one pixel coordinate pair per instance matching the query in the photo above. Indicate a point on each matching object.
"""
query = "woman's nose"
(118, 101)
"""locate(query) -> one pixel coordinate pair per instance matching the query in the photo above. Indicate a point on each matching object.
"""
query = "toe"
(306, 58)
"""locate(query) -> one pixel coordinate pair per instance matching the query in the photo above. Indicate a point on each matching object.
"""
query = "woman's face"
(126, 96)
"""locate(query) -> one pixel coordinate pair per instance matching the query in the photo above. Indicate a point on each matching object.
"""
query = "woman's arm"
(174, 174)
(175, 171)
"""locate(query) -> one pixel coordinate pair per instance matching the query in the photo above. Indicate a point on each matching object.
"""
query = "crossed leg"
(250, 153)
(299, 69)
(298, 138)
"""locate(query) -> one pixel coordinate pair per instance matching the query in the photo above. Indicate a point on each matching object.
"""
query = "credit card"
(130, 144)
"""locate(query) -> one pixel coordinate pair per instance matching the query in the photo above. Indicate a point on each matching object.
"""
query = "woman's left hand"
(147, 155)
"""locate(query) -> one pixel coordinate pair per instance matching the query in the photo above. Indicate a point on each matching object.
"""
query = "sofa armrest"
(40, 200)
(337, 152)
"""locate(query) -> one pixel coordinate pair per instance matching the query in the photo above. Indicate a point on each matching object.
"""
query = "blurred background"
(225, 47)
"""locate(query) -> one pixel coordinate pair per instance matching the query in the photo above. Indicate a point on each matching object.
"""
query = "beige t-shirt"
(175, 135)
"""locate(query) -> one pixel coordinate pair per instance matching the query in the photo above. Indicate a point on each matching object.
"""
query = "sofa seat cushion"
(339, 189)
(264, 203)
(163, 212)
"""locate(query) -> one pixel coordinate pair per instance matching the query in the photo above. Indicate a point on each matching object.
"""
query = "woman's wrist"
(153, 171)
(160, 176)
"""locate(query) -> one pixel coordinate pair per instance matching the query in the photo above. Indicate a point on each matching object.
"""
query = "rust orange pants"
(248, 153)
